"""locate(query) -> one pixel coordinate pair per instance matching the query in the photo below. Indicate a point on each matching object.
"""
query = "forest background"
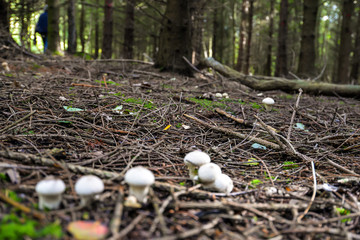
(287, 38)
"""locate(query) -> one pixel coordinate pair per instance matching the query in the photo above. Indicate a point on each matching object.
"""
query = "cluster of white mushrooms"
(50, 190)
(139, 179)
(207, 173)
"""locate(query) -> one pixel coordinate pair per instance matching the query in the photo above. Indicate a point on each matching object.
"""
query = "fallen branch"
(236, 134)
(263, 83)
(21, 207)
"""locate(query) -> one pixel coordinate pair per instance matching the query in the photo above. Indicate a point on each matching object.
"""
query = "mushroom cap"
(208, 172)
(89, 185)
(50, 186)
(196, 158)
(268, 101)
(139, 176)
(223, 183)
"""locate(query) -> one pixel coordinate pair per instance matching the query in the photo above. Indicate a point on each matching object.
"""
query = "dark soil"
(271, 193)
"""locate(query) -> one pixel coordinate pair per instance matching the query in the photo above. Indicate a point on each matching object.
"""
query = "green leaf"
(255, 182)
(71, 109)
(252, 161)
(258, 146)
(289, 165)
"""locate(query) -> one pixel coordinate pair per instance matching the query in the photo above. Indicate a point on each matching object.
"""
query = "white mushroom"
(139, 179)
(225, 95)
(218, 95)
(5, 65)
(194, 160)
(223, 183)
(208, 173)
(268, 102)
(87, 187)
(50, 191)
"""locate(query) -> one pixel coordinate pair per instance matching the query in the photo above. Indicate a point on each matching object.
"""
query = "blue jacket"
(42, 24)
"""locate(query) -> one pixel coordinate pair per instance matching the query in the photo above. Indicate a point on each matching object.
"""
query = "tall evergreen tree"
(243, 34)
(71, 27)
(281, 58)
(129, 29)
(82, 27)
(267, 70)
(97, 31)
(354, 75)
(306, 66)
(177, 37)
(345, 42)
(108, 30)
(249, 35)
(53, 26)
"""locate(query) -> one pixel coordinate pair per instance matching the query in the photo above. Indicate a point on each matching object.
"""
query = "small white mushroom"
(139, 179)
(218, 95)
(50, 191)
(225, 95)
(268, 102)
(223, 183)
(5, 65)
(208, 173)
(194, 160)
(87, 187)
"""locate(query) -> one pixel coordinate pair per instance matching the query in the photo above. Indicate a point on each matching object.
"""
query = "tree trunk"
(97, 31)
(354, 75)
(177, 35)
(53, 26)
(82, 27)
(4, 18)
(345, 42)
(71, 27)
(263, 83)
(306, 66)
(129, 29)
(242, 41)
(248, 40)
(215, 31)
(108, 30)
(268, 64)
(196, 9)
(23, 28)
(281, 68)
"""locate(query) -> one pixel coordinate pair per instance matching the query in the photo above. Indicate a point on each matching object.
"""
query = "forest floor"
(59, 118)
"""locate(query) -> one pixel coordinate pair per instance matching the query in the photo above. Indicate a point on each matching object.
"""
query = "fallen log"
(264, 83)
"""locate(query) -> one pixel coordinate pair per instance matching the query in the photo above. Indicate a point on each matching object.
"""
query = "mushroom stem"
(139, 192)
(192, 171)
(85, 200)
(49, 201)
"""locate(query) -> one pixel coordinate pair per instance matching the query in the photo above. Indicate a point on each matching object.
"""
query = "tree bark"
(53, 26)
(4, 18)
(281, 68)
(268, 64)
(306, 66)
(249, 34)
(354, 75)
(71, 27)
(108, 30)
(215, 30)
(177, 36)
(263, 83)
(196, 11)
(97, 31)
(129, 29)
(345, 42)
(242, 41)
(82, 27)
